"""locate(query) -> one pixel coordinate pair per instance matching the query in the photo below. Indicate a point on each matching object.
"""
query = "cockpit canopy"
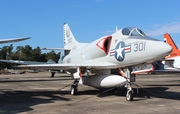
(130, 31)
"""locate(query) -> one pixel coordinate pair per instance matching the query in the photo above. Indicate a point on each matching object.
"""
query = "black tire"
(129, 95)
(73, 90)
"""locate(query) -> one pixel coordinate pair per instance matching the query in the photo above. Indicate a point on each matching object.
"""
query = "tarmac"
(38, 93)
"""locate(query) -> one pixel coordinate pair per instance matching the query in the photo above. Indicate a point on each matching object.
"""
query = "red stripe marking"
(127, 48)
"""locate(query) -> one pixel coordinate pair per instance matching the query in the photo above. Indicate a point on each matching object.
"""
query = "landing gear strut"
(130, 78)
(74, 87)
(78, 79)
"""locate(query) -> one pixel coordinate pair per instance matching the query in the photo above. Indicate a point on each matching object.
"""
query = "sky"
(42, 20)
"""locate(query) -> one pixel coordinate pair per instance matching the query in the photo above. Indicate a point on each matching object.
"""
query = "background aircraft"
(170, 64)
(108, 61)
(2, 41)
(174, 56)
(27, 62)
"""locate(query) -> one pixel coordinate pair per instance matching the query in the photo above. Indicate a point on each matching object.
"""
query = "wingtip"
(25, 38)
(28, 38)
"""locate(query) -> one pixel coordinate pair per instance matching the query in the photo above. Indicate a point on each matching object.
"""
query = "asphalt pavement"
(38, 93)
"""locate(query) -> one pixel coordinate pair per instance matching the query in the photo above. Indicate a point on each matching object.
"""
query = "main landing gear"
(74, 87)
(78, 78)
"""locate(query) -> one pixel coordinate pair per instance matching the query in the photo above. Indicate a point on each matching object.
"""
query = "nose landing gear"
(130, 78)
(129, 95)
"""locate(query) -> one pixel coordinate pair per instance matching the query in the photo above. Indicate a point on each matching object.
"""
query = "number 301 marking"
(139, 46)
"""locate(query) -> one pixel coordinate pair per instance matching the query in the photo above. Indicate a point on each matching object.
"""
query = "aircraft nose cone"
(165, 48)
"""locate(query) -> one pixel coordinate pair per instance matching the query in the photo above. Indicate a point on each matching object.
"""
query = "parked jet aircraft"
(118, 52)
(27, 62)
(2, 41)
(175, 54)
(171, 63)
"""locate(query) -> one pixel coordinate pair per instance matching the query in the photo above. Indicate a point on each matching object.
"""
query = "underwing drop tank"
(104, 81)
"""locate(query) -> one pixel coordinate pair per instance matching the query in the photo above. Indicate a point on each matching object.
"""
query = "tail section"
(175, 52)
(69, 39)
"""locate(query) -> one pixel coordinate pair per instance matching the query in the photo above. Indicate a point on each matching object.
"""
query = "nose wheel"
(129, 95)
(130, 78)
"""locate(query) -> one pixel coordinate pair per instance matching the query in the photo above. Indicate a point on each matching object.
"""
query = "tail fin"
(175, 52)
(69, 39)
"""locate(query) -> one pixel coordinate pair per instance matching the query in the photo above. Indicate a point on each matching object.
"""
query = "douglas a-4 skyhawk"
(108, 61)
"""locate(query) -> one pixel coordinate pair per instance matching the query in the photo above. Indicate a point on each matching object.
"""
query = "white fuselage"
(141, 51)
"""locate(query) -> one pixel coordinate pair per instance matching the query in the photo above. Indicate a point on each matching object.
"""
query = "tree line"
(25, 53)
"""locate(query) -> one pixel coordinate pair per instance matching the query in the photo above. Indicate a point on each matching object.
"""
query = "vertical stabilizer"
(175, 52)
(69, 40)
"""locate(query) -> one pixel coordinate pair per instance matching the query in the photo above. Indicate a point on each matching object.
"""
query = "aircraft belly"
(104, 81)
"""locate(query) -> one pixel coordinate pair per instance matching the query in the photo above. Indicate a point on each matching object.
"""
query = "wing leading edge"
(2, 41)
(69, 66)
